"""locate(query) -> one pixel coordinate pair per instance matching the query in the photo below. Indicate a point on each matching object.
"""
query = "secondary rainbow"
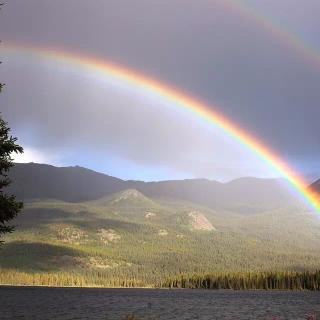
(286, 37)
(179, 99)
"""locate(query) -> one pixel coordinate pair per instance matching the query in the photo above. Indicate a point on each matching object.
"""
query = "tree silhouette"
(9, 207)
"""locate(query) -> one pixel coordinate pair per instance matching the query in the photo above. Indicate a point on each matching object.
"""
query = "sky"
(212, 49)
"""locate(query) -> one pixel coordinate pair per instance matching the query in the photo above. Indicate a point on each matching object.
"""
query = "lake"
(76, 303)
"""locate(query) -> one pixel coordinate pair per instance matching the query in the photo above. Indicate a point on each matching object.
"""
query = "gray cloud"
(87, 115)
(202, 47)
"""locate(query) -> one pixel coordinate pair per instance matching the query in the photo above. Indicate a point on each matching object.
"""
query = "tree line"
(249, 281)
(237, 281)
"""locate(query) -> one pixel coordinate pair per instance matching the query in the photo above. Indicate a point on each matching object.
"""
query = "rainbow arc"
(178, 99)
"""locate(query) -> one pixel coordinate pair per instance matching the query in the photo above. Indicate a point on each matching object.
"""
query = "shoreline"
(154, 288)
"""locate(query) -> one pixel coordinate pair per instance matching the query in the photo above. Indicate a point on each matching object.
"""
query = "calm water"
(57, 303)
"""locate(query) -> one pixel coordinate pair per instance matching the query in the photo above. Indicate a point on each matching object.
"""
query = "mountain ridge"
(76, 184)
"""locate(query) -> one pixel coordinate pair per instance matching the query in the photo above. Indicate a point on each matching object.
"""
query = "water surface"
(114, 304)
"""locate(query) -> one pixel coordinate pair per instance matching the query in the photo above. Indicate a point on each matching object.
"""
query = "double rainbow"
(137, 81)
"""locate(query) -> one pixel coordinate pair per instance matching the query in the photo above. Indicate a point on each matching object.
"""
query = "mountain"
(245, 194)
(80, 227)
(41, 181)
(74, 184)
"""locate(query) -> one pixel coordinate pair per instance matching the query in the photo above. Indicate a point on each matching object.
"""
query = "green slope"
(129, 239)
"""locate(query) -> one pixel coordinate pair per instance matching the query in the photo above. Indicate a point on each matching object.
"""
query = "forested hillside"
(128, 238)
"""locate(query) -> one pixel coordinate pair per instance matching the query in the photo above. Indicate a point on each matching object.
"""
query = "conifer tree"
(9, 207)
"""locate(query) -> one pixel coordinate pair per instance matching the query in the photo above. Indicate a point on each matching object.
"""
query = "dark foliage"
(9, 207)
(250, 281)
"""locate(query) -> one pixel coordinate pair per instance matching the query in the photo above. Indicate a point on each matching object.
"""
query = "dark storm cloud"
(202, 47)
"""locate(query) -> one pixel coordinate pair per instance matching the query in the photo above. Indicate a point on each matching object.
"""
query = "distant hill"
(245, 194)
(74, 184)
(130, 198)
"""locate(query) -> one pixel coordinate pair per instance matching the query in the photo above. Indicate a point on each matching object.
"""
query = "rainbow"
(178, 99)
(285, 37)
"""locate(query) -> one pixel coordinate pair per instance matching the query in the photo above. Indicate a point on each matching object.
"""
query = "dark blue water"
(60, 303)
